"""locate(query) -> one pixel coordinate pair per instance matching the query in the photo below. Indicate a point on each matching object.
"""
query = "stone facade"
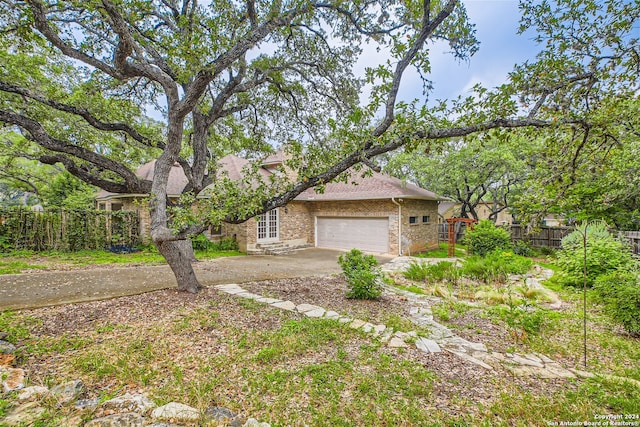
(422, 234)
(297, 222)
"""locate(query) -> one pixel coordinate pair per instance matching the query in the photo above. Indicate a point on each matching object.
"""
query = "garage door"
(366, 234)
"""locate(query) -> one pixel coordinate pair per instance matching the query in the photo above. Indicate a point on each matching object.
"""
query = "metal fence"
(67, 230)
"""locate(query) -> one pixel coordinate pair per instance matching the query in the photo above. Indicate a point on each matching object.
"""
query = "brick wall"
(420, 236)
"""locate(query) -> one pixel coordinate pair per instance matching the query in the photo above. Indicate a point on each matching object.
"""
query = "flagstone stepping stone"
(357, 323)
(428, 346)
(268, 300)
(177, 411)
(23, 414)
(32, 392)
(468, 358)
(303, 308)
(317, 313)
(13, 379)
(248, 295)
(128, 419)
(396, 342)
(230, 289)
(284, 305)
(332, 315)
(345, 319)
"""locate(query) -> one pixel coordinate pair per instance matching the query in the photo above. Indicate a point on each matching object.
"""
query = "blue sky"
(497, 23)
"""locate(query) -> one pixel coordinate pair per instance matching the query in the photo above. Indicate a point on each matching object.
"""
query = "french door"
(268, 227)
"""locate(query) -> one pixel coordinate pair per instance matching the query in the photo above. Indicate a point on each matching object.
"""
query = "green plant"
(486, 237)
(417, 271)
(604, 254)
(495, 267)
(620, 293)
(523, 248)
(362, 273)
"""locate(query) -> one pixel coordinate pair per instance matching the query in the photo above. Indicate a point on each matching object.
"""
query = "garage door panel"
(367, 234)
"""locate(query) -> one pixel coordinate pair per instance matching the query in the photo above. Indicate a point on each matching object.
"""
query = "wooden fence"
(67, 230)
(549, 237)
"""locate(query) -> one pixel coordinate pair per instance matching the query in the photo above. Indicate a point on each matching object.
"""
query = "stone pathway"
(440, 338)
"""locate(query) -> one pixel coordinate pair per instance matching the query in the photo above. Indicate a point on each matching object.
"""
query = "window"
(102, 206)
(216, 230)
(116, 206)
(413, 220)
(425, 219)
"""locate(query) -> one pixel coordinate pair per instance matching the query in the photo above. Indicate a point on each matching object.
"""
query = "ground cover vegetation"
(15, 262)
(238, 78)
(220, 350)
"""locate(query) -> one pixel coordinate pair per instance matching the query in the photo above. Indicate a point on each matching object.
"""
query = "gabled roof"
(376, 186)
(176, 183)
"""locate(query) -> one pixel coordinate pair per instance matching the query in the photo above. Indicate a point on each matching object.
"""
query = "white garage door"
(366, 234)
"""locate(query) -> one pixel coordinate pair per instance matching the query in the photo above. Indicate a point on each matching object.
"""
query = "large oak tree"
(78, 77)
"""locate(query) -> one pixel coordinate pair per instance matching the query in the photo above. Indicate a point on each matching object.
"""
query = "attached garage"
(366, 234)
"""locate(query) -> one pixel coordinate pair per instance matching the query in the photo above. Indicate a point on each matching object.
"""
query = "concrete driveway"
(31, 290)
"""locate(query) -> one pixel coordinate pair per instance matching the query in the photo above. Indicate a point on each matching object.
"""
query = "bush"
(522, 248)
(362, 273)
(620, 293)
(442, 271)
(605, 254)
(495, 266)
(486, 238)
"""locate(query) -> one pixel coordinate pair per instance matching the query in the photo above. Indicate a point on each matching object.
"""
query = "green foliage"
(362, 273)
(68, 192)
(66, 230)
(442, 271)
(495, 266)
(604, 254)
(486, 237)
(522, 248)
(620, 293)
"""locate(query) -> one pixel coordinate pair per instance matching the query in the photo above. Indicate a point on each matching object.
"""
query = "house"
(379, 214)
(449, 209)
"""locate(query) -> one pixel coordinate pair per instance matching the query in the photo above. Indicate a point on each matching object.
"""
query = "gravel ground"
(459, 387)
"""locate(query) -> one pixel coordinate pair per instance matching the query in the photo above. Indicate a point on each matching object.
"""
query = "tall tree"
(470, 172)
(77, 78)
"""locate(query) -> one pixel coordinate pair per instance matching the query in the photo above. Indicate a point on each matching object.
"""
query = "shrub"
(486, 238)
(362, 273)
(495, 266)
(620, 293)
(605, 254)
(522, 248)
(417, 271)
(442, 271)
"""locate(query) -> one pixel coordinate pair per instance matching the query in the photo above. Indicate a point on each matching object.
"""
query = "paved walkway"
(32, 290)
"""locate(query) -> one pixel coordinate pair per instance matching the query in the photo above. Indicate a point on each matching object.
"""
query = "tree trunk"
(179, 255)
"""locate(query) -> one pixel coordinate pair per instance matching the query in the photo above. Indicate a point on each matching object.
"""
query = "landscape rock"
(130, 403)
(218, 413)
(285, 305)
(396, 342)
(7, 360)
(6, 347)
(65, 393)
(332, 315)
(87, 404)
(428, 346)
(252, 422)
(317, 313)
(33, 392)
(177, 411)
(23, 414)
(13, 379)
(303, 308)
(357, 323)
(129, 419)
